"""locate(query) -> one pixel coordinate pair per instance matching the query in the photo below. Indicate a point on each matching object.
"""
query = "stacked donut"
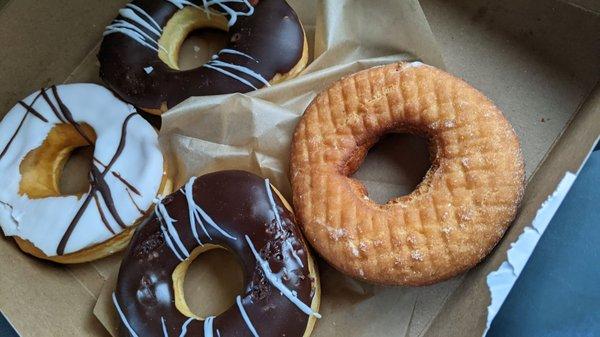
(447, 225)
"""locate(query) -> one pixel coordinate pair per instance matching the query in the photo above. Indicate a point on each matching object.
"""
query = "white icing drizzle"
(164, 217)
(233, 15)
(164, 327)
(273, 205)
(184, 327)
(234, 52)
(198, 212)
(276, 282)
(170, 243)
(122, 315)
(181, 3)
(232, 75)
(131, 14)
(279, 224)
(134, 32)
(208, 326)
(141, 18)
(146, 15)
(249, 324)
(294, 254)
(193, 216)
(216, 63)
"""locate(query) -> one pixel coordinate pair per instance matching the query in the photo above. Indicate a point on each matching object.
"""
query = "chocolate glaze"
(239, 204)
(273, 36)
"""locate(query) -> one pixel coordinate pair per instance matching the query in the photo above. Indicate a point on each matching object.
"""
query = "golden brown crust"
(453, 218)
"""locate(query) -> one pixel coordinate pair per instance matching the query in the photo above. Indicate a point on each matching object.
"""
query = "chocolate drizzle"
(265, 39)
(125, 182)
(98, 185)
(29, 110)
(248, 219)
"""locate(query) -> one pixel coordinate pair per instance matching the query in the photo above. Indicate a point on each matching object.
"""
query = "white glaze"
(122, 316)
(249, 324)
(43, 222)
(276, 282)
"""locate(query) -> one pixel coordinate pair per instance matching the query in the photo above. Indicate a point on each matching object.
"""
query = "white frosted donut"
(125, 177)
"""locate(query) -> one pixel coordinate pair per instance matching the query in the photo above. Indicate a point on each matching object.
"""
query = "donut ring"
(232, 210)
(140, 51)
(128, 172)
(453, 218)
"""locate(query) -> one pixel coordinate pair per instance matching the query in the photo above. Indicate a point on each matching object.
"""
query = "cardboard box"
(540, 57)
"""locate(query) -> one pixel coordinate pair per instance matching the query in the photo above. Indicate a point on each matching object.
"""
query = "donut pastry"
(140, 51)
(232, 210)
(127, 172)
(454, 217)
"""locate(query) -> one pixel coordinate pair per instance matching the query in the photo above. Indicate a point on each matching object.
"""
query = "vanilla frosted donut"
(127, 173)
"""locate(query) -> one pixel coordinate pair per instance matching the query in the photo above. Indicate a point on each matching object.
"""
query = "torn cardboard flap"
(521, 64)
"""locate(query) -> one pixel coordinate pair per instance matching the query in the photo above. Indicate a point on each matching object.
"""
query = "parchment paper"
(253, 132)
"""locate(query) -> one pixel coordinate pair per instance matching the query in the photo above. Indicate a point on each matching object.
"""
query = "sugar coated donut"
(140, 51)
(454, 217)
(127, 172)
(234, 210)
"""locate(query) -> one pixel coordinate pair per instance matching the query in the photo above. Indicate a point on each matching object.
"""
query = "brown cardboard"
(534, 61)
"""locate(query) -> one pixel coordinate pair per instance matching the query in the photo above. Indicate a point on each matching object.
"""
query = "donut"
(453, 218)
(233, 210)
(127, 173)
(140, 50)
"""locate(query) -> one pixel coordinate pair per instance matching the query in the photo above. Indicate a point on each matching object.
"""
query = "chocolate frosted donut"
(237, 211)
(139, 54)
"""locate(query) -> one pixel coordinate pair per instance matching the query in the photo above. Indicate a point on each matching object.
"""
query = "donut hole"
(394, 166)
(43, 171)
(191, 37)
(199, 46)
(207, 283)
(74, 179)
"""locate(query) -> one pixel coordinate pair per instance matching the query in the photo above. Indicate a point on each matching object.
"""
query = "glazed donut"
(127, 172)
(140, 51)
(455, 216)
(233, 210)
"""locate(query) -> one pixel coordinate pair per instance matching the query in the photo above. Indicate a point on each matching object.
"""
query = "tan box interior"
(536, 56)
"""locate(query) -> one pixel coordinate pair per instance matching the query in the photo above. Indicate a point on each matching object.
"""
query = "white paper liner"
(501, 281)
